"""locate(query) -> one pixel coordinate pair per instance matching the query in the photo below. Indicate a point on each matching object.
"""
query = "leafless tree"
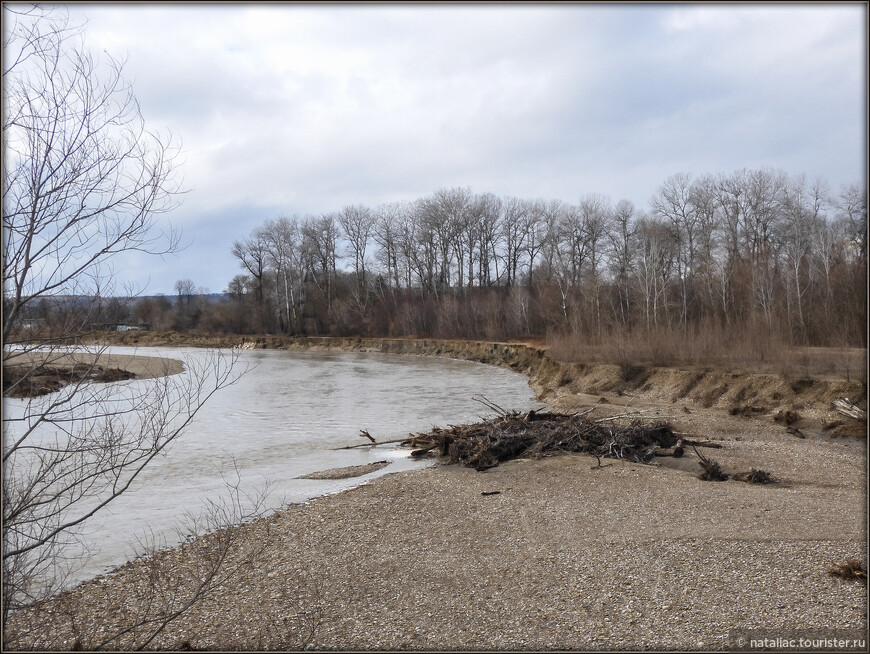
(657, 249)
(357, 223)
(386, 232)
(723, 240)
(186, 290)
(851, 204)
(84, 181)
(595, 214)
(709, 236)
(801, 219)
(622, 254)
(674, 202)
(515, 227)
(423, 245)
(282, 242)
(253, 255)
(487, 209)
(569, 252)
(320, 254)
(536, 235)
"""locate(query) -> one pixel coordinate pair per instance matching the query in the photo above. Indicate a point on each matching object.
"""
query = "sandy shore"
(347, 472)
(144, 367)
(564, 556)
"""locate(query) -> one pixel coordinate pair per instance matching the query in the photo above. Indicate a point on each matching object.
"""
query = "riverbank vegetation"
(720, 269)
(753, 252)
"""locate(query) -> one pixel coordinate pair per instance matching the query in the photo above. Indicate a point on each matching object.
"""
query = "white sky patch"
(294, 109)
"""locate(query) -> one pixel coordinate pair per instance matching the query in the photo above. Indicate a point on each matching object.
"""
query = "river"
(282, 419)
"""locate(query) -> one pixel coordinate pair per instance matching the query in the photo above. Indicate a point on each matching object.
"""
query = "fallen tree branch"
(844, 406)
(372, 444)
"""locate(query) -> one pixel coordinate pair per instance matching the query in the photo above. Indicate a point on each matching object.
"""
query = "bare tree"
(622, 254)
(570, 252)
(83, 182)
(319, 252)
(83, 179)
(596, 219)
(357, 222)
(800, 220)
(709, 237)
(851, 204)
(386, 232)
(536, 235)
(657, 243)
(516, 221)
(253, 256)
(488, 212)
(726, 242)
(283, 246)
(674, 202)
(185, 289)
(424, 246)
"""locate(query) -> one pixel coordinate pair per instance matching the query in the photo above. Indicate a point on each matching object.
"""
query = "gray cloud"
(289, 109)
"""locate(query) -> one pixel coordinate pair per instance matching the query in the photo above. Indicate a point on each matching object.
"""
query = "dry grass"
(712, 349)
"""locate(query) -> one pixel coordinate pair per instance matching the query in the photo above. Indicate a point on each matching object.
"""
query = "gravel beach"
(565, 556)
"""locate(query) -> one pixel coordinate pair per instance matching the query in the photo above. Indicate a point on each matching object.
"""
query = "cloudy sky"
(298, 109)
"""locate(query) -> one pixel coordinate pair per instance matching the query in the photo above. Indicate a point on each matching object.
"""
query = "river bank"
(566, 555)
(567, 385)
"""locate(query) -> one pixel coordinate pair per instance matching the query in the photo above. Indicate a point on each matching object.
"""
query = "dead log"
(844, 406)
(423, 450)
(353, 447)
(676, 452)
(710, 444)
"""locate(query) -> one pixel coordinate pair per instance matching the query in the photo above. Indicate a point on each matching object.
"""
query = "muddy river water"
(284, 418)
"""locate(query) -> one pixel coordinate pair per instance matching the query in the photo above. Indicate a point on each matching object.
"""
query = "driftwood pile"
(484, 445)
(534, 434)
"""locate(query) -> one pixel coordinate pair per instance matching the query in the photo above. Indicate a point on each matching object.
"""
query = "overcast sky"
(298, 109)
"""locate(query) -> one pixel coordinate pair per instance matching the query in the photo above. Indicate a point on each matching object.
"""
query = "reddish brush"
(852, 569)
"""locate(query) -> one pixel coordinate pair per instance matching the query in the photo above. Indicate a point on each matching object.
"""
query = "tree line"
(754, 249)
